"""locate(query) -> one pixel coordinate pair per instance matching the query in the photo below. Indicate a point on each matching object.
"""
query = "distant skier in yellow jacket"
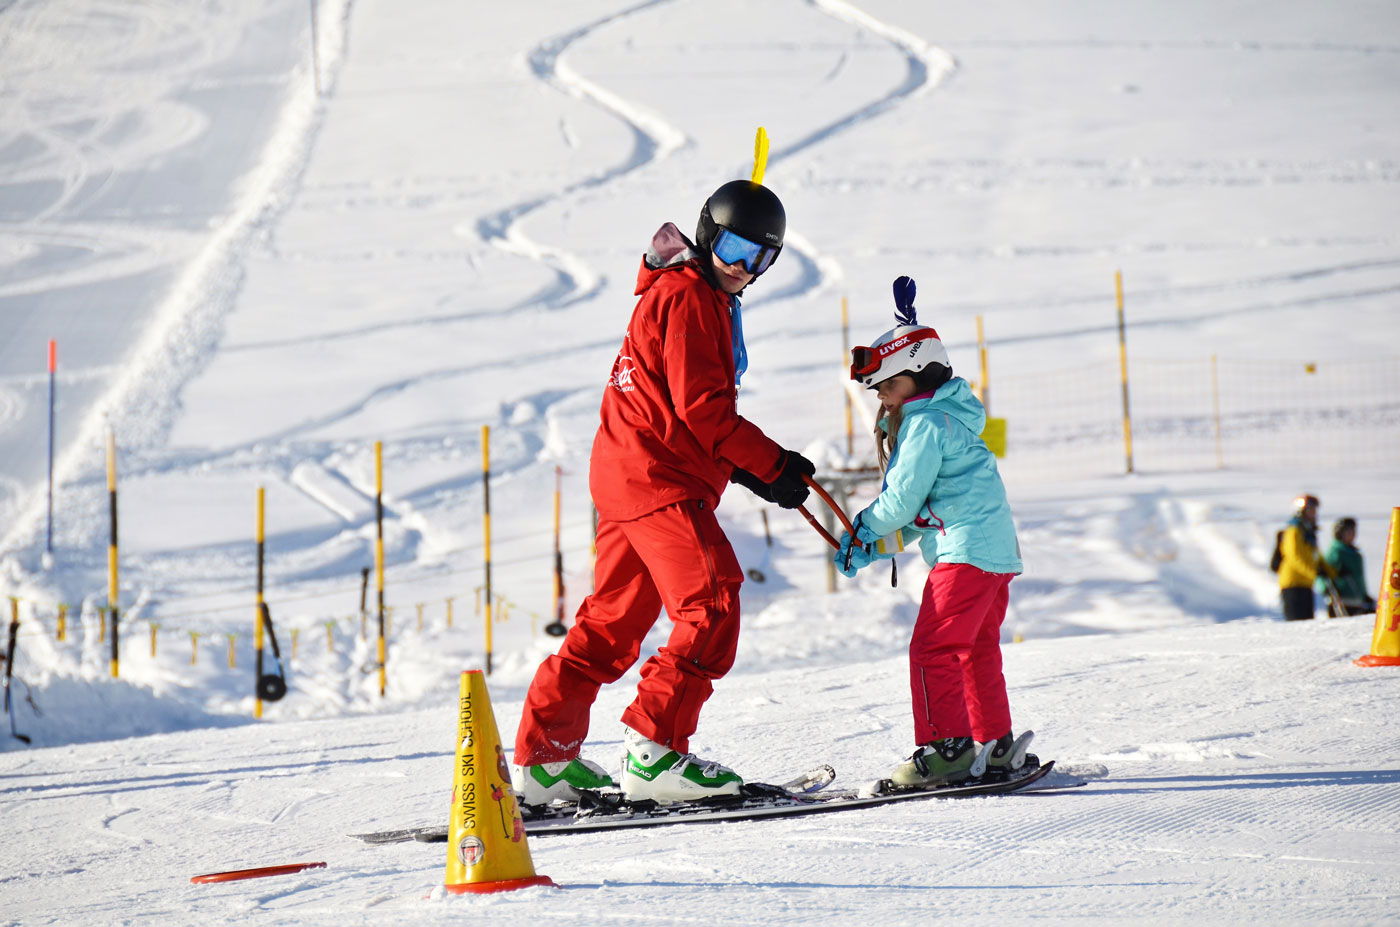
(1300, 561)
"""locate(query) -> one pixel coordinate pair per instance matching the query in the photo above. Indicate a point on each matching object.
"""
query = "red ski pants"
(955, 655)
(677, 558)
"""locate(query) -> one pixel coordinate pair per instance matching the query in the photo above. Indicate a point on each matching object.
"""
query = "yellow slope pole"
(982, 357)
(486, 529)
(1123, 369)
(257, 613)
(379, 557)
(112, 546)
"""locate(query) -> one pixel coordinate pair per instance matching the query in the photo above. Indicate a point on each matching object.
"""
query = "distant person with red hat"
(1300, 562)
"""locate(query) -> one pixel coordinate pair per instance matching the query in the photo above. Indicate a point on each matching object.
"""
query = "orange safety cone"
(486, 847)
(1385, 640)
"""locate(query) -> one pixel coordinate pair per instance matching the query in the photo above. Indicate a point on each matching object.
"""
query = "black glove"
(752, 483)
(788, 489)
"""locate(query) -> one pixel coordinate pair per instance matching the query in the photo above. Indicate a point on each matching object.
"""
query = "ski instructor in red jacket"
(670, 440)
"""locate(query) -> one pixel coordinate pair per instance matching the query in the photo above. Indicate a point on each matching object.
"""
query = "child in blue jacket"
(941, 485)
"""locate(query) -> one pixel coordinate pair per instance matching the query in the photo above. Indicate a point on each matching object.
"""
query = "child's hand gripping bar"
(811, 520)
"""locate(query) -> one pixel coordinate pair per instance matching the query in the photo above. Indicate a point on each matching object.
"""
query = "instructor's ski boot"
(939, 763)
(560, 782)
(654, 772)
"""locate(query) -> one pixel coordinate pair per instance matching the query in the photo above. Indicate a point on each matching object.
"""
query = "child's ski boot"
(1008, 754)
(939, 763)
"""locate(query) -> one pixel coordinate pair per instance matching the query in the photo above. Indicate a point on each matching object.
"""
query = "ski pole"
(556, 627)
(271, 687)
(1336, 608)
(756, 573)
(10, 668)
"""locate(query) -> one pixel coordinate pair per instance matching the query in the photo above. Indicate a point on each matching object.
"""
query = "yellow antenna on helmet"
(760, 155)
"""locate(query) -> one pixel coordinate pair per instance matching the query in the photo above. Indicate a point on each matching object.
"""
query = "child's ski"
(612, 812)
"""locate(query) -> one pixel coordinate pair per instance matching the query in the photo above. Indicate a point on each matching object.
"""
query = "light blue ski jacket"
(942, 485)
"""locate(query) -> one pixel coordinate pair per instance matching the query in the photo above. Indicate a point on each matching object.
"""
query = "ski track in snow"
(654, 140)
(183, 331)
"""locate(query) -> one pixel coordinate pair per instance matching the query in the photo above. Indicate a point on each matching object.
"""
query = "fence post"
(1123, 369)
(986, 390)
(486, 528)
(258, 620)
(379, 557)
(53, 369)
(112, 545)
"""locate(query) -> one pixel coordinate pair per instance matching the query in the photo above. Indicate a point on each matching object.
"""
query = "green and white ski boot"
(560, 782)
(654, 772)
(939, 763)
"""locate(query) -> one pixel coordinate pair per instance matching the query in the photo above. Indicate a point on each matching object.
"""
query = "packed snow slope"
(1246, 779)
(258, 261)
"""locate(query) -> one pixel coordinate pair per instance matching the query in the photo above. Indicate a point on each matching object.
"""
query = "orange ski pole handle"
(845, 522)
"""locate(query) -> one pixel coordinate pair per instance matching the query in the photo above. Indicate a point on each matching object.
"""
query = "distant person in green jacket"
(1351, 597)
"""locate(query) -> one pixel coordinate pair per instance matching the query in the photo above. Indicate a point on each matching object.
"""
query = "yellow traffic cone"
(1385, 640)
(486, 849)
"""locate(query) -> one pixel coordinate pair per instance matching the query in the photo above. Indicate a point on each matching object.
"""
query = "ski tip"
(431, 836)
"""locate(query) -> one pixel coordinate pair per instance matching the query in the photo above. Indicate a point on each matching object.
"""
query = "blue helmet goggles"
(736, 249)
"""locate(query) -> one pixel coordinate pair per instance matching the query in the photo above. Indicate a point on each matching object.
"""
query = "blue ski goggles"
(736, 249)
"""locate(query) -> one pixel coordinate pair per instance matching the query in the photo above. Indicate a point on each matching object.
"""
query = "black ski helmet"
(745, 208)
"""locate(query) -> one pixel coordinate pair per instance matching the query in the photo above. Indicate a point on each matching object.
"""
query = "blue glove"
(850, 559)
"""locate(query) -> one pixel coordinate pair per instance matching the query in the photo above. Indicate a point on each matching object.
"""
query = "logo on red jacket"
(621, 378)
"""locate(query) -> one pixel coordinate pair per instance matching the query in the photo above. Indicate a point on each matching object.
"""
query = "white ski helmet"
(908, 348)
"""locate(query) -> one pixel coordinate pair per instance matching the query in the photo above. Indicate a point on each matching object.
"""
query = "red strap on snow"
(260, 872)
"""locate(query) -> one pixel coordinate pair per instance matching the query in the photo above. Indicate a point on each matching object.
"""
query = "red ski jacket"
(670, 429)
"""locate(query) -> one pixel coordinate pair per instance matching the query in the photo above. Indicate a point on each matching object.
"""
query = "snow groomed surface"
(253, 285)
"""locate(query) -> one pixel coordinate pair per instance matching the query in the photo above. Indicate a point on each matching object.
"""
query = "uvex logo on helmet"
(885, 350)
